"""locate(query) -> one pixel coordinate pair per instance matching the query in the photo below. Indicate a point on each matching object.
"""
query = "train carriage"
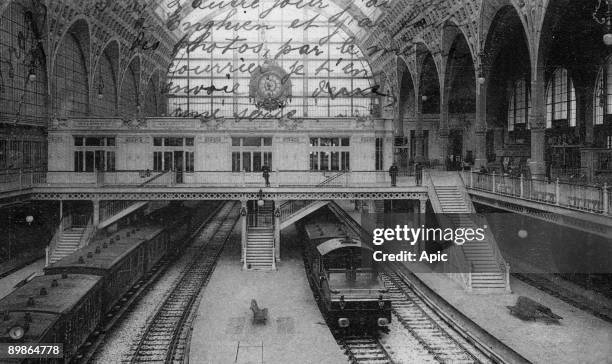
(52, 309)
(121, 260)
(342, 271)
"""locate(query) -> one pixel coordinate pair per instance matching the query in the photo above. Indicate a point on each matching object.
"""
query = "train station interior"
(235, 135)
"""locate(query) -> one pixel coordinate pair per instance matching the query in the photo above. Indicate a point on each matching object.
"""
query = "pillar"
(480, 127)
(96, 212)
(277, 223)
(61, 213)
(243, 232)
(537, 122)
(443, 125)
(418, 132)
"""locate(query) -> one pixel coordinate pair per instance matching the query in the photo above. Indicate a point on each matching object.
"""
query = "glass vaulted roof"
(316, 44)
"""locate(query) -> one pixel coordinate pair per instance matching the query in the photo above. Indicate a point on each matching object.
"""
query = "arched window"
(603, 93)
(519, 105)
(71, 96)
(560, 99)
(328, 79)
(129, 90)
(105, 87)
(23, 76)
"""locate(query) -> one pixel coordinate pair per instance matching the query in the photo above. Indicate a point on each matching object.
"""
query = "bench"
(260, 315)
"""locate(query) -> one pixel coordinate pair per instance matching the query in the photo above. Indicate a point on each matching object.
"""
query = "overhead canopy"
(339, 243)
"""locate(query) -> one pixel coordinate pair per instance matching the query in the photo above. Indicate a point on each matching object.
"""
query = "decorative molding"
(145, 194)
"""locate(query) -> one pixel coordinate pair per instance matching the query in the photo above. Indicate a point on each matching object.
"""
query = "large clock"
(270, 86)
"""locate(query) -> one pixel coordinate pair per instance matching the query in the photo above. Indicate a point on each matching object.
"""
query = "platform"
(223, 331)
(580, 338)
(8, 282)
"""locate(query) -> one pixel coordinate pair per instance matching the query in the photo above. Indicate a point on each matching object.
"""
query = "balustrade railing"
(590, 198)
(112, 208)
(15, 180)
(88, 233)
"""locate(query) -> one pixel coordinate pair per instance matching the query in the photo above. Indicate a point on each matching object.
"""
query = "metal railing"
(591, 198)
(15, 180)
(10, 181)
(112, 208)
(89, 232)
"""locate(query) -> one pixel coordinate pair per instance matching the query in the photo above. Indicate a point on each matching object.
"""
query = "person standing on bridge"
(266, 174)
(393, 173)
(418, 173)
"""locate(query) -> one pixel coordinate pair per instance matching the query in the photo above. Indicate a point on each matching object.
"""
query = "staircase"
(294, 210)
(488, 271)
(68, 243)
(260, 248)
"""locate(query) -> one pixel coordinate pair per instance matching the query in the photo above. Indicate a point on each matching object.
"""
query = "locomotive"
(69, 302)
(346, 280)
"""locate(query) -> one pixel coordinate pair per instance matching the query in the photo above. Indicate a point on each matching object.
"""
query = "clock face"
(270, 85)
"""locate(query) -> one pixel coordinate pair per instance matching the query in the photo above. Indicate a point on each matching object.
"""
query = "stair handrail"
(503, 264)
(53, 242)
(290, 207)
(331, 178)
(461, 267)
(87, 233)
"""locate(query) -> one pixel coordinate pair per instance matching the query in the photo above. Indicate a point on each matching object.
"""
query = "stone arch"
(429, 82)
(406, 93)
(70, 86)
(507, 59)
(460, 77)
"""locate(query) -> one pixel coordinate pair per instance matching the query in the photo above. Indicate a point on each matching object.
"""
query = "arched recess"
(129, 102)
(508, 79)
(151, 96)
(460, 78)
(70, 87)
(571, 40)
(105, 81)
(430, 86)
(23, 97)
(406, 95)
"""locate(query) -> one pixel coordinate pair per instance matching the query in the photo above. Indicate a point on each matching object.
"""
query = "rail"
(112, 208)
(53, 242)
(288, 208)
(16, 180)
(457, 267)
(88, 233)
(141, 178)
(591, 198)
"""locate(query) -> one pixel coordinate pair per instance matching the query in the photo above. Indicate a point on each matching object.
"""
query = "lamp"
(32, 75)
(29, 219)
(243, 211)
(481, 79)
(606, 20)
(260, 196)
(277, 212)
(424, 98)
(100, 84)
(607, 37)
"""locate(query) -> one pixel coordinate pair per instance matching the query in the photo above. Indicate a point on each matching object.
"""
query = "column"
(243, 230)
(96, 212)
(277, 223)
(418, 132)
(480, 127)
(443, 125)
(537, 122)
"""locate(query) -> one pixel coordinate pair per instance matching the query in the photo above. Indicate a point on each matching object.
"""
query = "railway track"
(443, 342)
(164, 338)
(364, 349)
